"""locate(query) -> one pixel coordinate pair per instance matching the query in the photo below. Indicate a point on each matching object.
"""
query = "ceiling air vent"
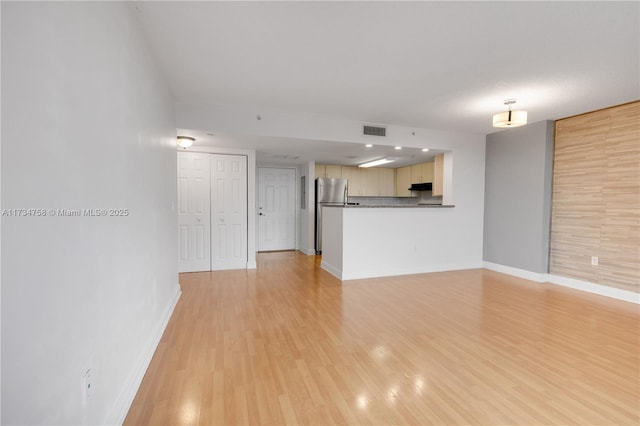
(374, 131)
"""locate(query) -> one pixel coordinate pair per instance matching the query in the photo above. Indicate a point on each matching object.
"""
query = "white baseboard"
(124, 401)
(422, 269)
(252, 265)
(308, 252)
(520, 273)
(331, 269)
(603, 290)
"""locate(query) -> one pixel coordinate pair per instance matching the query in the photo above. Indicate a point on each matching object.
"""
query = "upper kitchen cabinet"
(354, 179)
(422, 173)
(370, 184)
(328, 171)
(438, 174)
(333, 171)
(403, 181)
(386, 182)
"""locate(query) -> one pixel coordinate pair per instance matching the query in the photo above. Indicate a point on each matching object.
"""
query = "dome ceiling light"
(510, 118)
(185, 141)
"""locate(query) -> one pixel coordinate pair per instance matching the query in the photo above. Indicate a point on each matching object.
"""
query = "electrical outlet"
(87, 391)
(594, 260)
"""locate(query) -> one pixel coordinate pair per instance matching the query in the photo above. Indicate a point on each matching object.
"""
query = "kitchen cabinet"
(403, 181)
(386, 182)
(354, 177)
(370, 184)
(422, 173)
(328, 171)
(438, 174)
(363, 182)
(333, 171)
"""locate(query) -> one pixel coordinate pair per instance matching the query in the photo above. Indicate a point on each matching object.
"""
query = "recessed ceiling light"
(398, 147)
(425, 149)
(369, 145)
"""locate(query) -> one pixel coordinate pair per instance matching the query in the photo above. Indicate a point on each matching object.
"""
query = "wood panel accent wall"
(596, 197)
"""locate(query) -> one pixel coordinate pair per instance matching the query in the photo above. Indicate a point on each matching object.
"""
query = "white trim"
(520, 273)
(308, 252)
(398, 272)
(603, 290)
(130, 389)
(331, 269)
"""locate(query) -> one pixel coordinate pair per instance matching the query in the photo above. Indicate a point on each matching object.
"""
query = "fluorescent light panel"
(376, 162)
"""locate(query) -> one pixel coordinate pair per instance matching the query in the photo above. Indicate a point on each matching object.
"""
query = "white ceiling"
(272, 150)
(435, 65)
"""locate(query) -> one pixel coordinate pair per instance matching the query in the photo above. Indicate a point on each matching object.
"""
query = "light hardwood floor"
(290, 344)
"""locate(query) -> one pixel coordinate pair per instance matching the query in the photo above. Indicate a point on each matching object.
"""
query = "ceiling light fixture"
(369, 145)
(398, 147)
(425, 149)
(376, 162)
(185, 141)
(510, 118)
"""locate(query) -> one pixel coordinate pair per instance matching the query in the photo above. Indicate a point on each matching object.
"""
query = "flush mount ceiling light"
(376, 162)
(425, 149)
(369, 145)
(398, 147)
(185, 141)
(510, 118)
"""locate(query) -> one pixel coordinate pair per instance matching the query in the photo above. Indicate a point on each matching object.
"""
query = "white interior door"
(276, 209)
(228, 212)
(194, 219)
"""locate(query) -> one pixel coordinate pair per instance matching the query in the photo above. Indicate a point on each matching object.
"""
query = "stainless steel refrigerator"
(329, 191)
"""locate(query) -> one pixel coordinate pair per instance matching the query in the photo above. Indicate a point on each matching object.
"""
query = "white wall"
(465, 159)
(306, 235)
(87, 122)
(378, 242)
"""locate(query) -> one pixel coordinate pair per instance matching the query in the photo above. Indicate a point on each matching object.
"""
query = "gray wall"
(517, 203)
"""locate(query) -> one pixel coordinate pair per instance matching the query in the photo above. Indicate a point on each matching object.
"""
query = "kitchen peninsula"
(375, 241)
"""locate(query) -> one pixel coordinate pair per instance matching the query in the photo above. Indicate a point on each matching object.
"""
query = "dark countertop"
(410, 206)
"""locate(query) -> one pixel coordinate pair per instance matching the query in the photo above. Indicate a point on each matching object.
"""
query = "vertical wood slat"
(596, 197)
